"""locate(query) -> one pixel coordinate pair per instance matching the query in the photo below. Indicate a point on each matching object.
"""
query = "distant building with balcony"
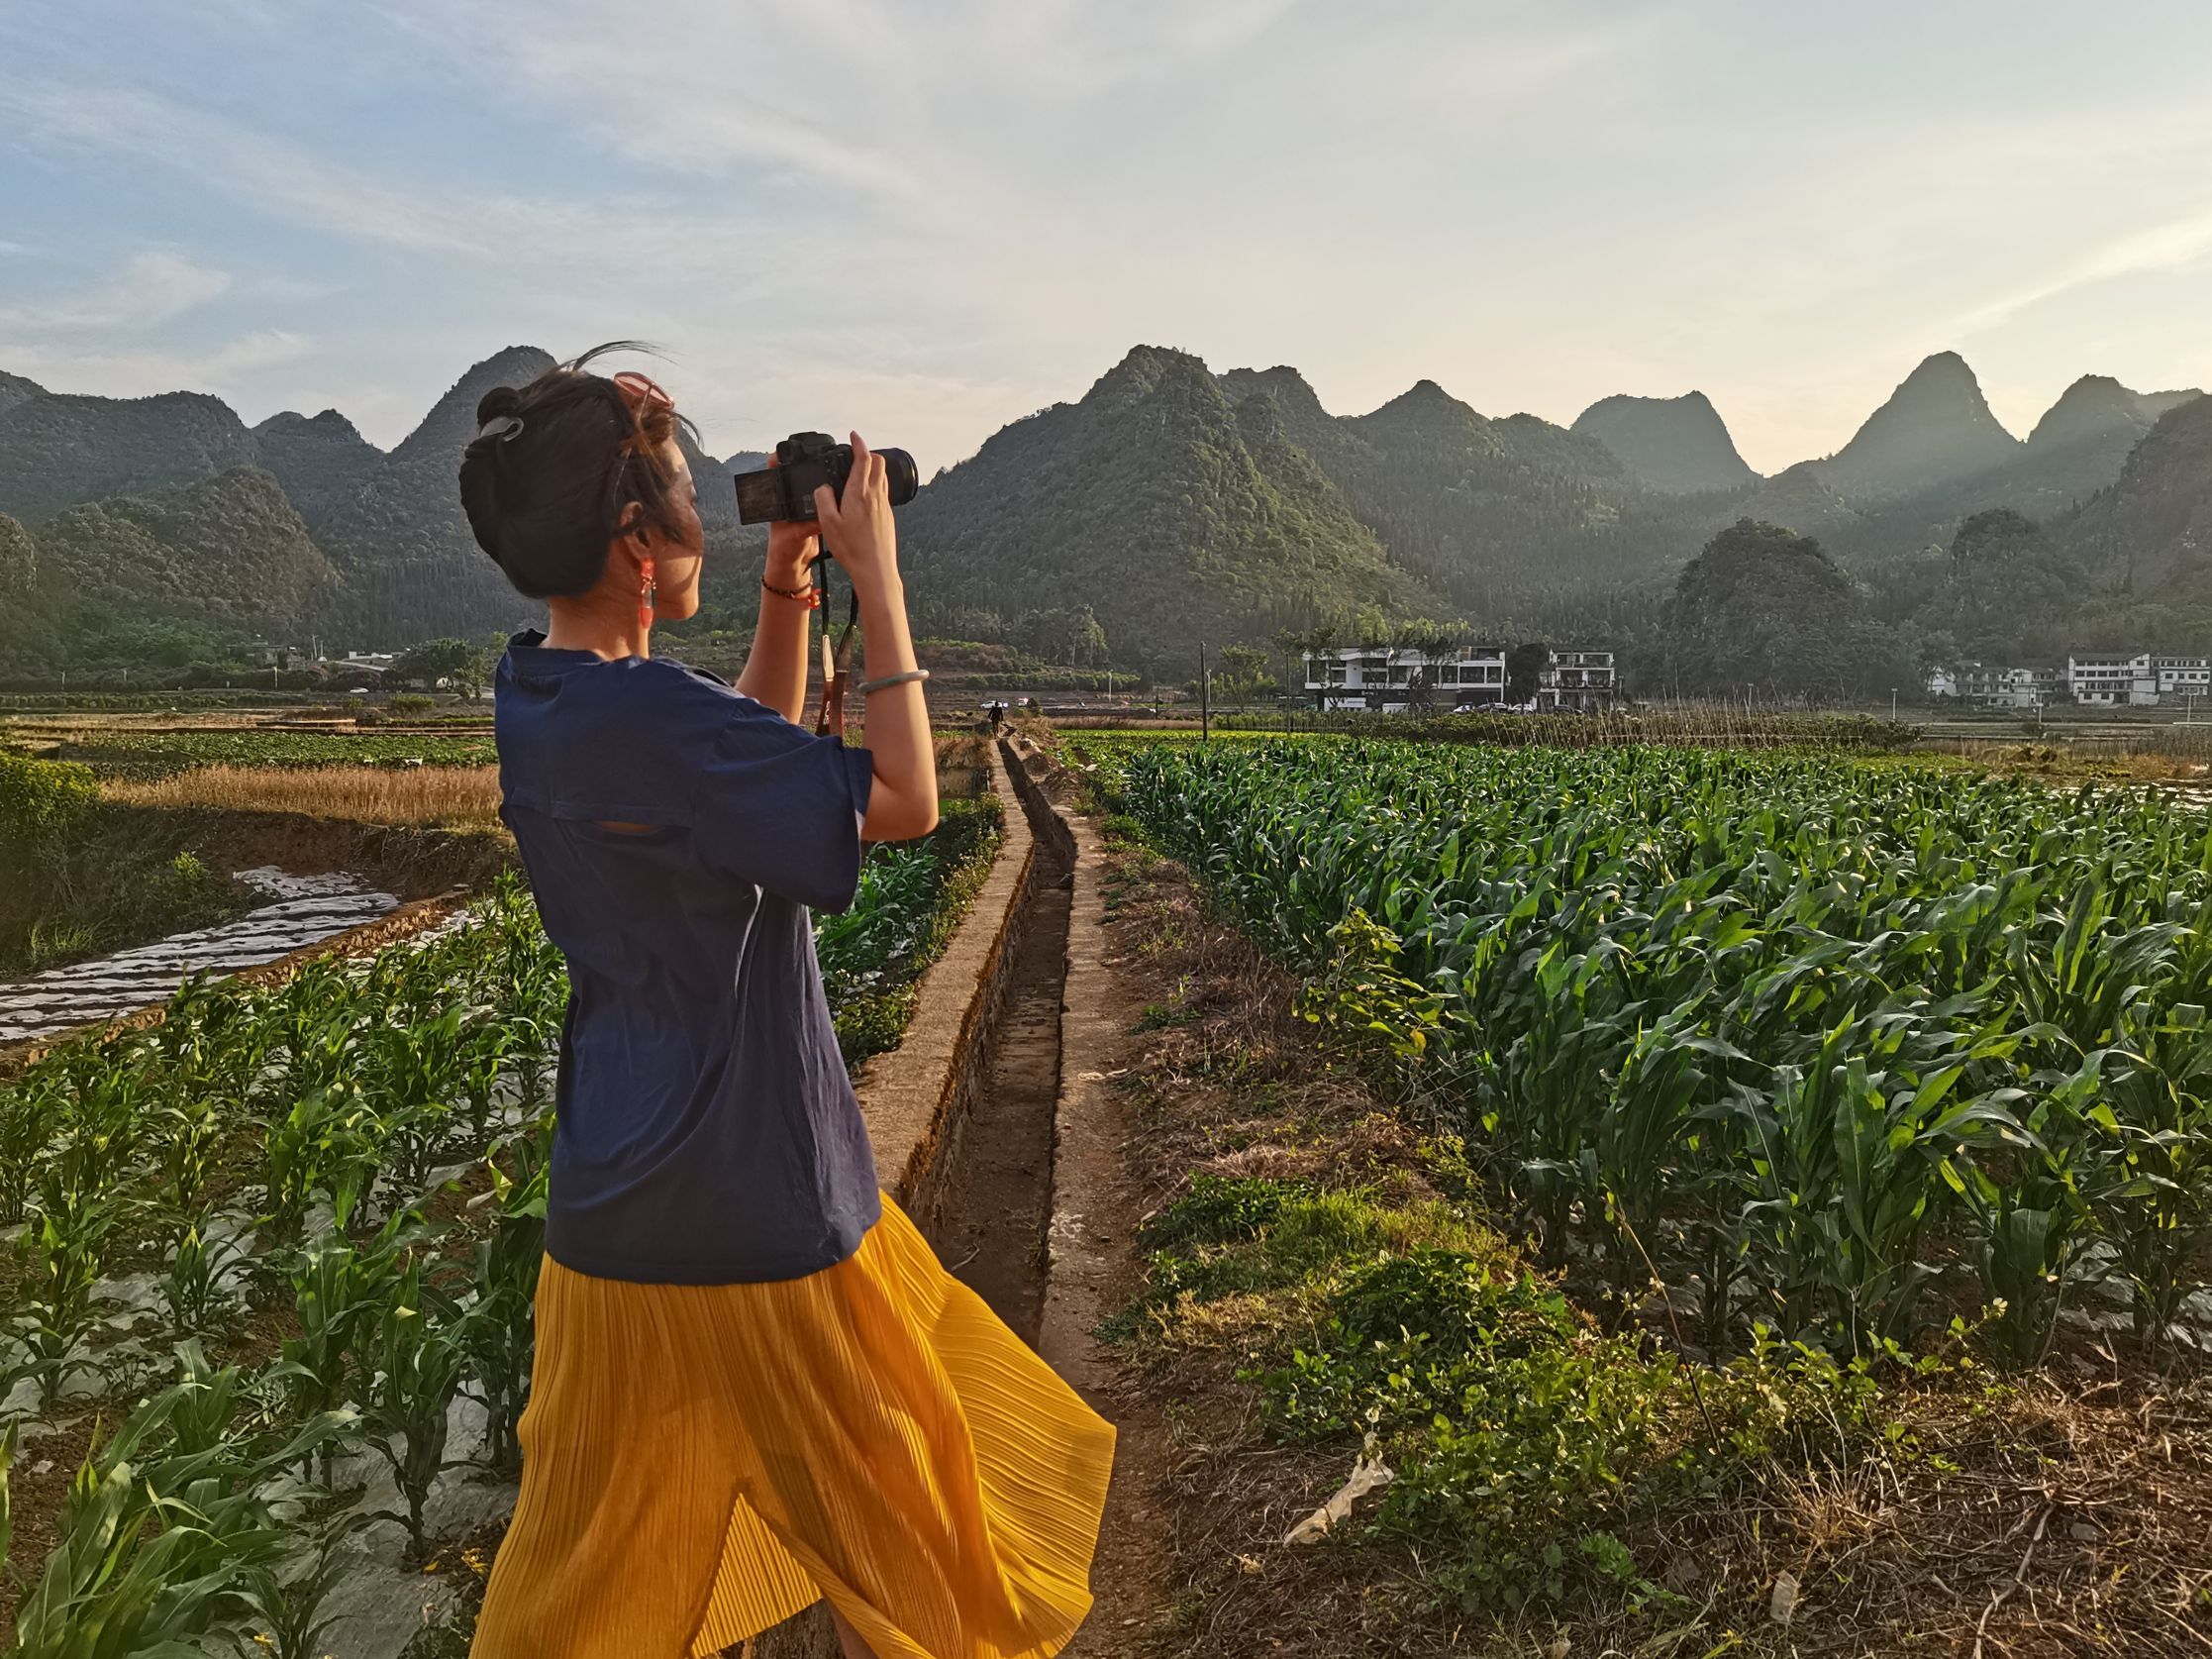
(2183, 678)
(2113, 680)
(1988, 685)
(1396, 679)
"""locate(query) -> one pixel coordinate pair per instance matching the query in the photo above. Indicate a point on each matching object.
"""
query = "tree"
(1764, 607)
(464, 665)
(2007, 592)
(1062, 635)
(19, 559)
(1524, 670)
(1242, 675)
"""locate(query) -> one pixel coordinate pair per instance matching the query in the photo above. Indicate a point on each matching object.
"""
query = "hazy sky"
(929, 218)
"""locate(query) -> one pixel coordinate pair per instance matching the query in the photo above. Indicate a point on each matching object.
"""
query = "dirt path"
(1099, 1201)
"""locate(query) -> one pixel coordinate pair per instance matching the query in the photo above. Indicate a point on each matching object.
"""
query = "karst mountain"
(1179, 504)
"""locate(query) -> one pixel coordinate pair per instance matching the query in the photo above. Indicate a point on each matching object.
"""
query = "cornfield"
(326, 1200)
(1804, 1039)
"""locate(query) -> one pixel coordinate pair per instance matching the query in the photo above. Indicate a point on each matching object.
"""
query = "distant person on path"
(755, 1386)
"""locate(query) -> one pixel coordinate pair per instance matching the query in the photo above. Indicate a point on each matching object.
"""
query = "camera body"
(805, 461)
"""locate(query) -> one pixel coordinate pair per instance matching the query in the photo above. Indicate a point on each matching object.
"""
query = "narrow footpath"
(1095, 1208)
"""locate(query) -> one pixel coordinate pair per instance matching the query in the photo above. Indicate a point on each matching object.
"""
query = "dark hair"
(547, 493)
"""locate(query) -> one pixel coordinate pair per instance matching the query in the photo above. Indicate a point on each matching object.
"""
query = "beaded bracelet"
(809, 595)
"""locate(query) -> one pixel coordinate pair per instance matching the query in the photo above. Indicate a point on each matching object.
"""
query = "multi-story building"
(1393, 678)
(1991, 687)
(2113, 680)
(1580, 680)
(2183, 678)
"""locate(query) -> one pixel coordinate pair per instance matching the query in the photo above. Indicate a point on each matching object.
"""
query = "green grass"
(1533, 1450)
(161, 754)
(911, 899)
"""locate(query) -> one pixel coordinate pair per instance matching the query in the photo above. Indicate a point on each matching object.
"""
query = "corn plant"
(31, 1112)
(498, 1332)
(203, 1267)
(326, 1144)
(486, 1041)
(421, 1361)
(151, 1548)
(58, 1312)
(1781, 1021)
(338, 1290)
(418, 1075)
(284, 1599)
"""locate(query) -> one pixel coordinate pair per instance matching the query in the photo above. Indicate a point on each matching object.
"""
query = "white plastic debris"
(1369, 1477)
(1782, 1606)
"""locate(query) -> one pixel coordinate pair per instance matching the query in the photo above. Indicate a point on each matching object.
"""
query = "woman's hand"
(858, 529)
(793, 547)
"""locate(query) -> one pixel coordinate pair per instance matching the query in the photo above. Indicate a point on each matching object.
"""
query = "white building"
(1394, 679)
(2113, 680)
(1988, 686)
(2184, 677)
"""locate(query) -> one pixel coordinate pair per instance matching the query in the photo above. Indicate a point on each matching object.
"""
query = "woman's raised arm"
(902, 801)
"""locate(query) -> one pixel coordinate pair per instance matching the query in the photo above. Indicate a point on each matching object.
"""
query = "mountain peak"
(446, 430)
(1141, 370)
(1425, 399)
(1935, 427)
(1941, 368)
(1283, 384)
(2099, 406)
(14, 389)
(1678, 445)
(330, 425)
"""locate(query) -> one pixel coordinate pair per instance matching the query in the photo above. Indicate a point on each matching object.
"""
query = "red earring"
(645, 590)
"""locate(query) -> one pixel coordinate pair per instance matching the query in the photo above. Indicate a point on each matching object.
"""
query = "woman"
(754, 1385)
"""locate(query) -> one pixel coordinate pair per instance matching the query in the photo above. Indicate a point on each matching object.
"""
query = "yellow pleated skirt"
(702, 1462)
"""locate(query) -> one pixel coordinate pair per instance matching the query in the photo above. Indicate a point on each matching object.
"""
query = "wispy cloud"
(2172, 245)
(151, 287)
(932, 219)
(107, 372)
(295, 184)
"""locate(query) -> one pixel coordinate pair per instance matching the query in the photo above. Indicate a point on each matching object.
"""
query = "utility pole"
(1205, 698)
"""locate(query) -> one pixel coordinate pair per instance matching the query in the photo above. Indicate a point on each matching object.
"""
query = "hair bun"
(500, 401)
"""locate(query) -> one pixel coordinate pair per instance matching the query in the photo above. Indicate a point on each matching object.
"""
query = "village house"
(1393, 678)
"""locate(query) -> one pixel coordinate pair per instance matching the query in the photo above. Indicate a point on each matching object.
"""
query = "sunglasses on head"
(643, 390)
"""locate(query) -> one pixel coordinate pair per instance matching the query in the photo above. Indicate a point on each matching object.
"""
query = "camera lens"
(900, 474)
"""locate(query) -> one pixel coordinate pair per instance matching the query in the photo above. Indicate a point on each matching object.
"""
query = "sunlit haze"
(928, 221)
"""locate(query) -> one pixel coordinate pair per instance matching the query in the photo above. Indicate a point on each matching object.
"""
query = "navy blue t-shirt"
(706, 1133)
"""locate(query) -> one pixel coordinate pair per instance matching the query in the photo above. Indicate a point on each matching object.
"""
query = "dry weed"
(459, 798)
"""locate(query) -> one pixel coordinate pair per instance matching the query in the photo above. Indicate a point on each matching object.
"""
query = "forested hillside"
(228, 550)
(400, 539)
(58, 452)
(2148, 537)
(319, 462)
(1169, 505)
(1173, 514)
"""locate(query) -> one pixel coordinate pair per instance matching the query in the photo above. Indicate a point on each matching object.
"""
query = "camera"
(805, 461)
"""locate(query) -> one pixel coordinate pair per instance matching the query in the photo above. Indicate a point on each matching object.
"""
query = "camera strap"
(835, 661)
